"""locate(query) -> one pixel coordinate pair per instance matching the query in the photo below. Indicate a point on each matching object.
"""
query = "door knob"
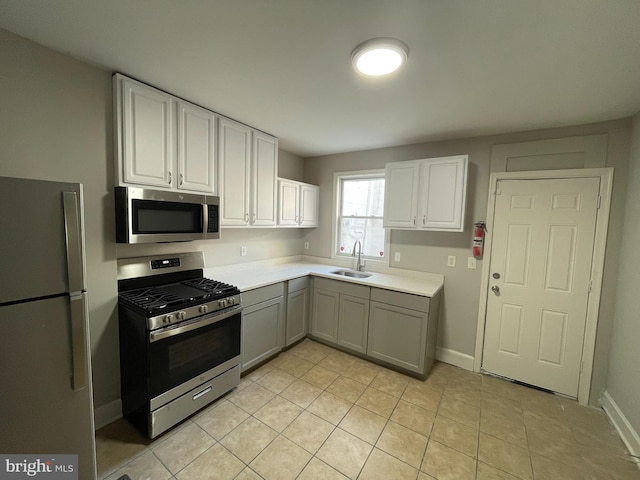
(495, 289)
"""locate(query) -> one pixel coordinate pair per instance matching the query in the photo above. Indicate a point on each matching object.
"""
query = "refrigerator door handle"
(79, 310)
(73, 233)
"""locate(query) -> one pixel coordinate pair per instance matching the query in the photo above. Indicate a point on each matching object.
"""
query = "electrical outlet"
(396, 257)
(306, 245)
(243, 251)
(472, 263)
(451, 261)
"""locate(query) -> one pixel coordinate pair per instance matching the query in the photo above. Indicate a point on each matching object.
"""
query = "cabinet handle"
(170, 178)
(246, 218)
(254, 218)
(181, 178)
(301, 220)
(424, 220)
(414, 219)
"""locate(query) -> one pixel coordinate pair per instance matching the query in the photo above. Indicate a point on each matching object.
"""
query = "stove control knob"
(222, 303)
(232, 301)
(203, 309)
(181, 315)
(168, 319)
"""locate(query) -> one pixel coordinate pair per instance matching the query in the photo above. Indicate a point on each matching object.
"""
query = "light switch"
(471, 263)
(451, 261)
(306, 245)
(243, 251)
(396, 257)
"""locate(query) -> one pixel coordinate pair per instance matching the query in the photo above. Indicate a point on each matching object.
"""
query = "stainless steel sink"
(351, 273)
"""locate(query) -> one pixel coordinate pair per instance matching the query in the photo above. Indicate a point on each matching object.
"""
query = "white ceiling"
(475, 67)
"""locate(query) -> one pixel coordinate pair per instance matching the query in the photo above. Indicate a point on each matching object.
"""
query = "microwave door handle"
(73, 234)
(204, 221)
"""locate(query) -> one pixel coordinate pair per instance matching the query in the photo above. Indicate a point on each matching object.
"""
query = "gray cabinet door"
(297, 308)
(398, 335)
(353, 322)
(324, 319)
(261, 331)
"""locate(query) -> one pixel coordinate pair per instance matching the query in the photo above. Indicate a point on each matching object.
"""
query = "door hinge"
(590, 285)
(498, 191)
(599, 202)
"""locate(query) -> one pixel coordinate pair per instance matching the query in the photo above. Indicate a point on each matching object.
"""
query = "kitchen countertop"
(248, 276)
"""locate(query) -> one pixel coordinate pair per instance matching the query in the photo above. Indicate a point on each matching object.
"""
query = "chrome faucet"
(361, 263)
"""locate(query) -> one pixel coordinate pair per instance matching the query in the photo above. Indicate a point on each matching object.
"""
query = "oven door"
(185, 355)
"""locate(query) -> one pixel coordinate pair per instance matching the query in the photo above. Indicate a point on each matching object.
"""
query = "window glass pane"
(360, 219)
(368, 231)
(363, 197)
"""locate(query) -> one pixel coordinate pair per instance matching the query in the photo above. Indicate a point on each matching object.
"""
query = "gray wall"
(624, 367)
(428, 251)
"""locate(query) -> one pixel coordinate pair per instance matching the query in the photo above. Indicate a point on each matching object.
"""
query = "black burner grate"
(212, 287)
(150, 299)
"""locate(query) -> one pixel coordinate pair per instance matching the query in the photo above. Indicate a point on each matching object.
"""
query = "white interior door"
(539, 280)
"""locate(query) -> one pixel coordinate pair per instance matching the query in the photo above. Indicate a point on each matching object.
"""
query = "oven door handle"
(208, 320)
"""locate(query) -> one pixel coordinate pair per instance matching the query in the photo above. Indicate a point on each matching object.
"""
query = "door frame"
(599, 247)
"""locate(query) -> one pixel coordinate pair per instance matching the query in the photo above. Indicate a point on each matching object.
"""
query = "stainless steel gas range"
(179, 339)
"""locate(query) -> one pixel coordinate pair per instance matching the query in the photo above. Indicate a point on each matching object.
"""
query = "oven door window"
(151, 217)
(176, 359)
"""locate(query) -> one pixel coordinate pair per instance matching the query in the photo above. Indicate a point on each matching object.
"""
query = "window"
(360, 204)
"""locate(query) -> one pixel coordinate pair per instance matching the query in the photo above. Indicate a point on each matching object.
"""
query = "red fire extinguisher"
(478, 238)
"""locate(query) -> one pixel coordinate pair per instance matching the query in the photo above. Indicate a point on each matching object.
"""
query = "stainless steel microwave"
(156, 216)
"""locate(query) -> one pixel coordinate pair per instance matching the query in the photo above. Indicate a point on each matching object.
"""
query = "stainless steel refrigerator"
(46, 404)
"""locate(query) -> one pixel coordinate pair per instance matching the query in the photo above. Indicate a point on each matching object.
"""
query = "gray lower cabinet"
(263, 319)
(403, 329)
(341, 313)
(297, 309)
(324, 317)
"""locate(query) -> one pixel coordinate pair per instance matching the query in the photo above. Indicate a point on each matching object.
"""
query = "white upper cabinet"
(297, 204)
(248, 165)
(428, 194)
(288, 203)
(443, 193)
(146, 122)
(264, 180)
(401, 181)
(162, 141)
(309, 205)
(196, 148)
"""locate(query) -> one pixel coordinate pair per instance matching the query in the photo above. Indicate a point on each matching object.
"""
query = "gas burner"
(212, 287)
(150, 298)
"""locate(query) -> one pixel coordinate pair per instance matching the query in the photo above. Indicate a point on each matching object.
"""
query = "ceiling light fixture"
(379, 56)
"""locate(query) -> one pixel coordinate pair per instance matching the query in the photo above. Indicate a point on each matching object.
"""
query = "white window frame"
(337, 177)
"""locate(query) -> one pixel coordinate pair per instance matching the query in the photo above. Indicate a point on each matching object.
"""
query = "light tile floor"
(316, 413)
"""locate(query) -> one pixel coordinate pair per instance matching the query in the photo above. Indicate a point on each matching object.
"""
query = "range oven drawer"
(165, 417)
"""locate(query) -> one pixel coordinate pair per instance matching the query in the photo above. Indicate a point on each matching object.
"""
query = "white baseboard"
(107, 414)
(453, 357)
(628, 434)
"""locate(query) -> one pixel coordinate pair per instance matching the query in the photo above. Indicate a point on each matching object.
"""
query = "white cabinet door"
(196, 148)
(234, 160)
(353, 323)
(147, 134)
(309, 201)
(401, 194)
(264, 188)
(443, 193)
(288, 205)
